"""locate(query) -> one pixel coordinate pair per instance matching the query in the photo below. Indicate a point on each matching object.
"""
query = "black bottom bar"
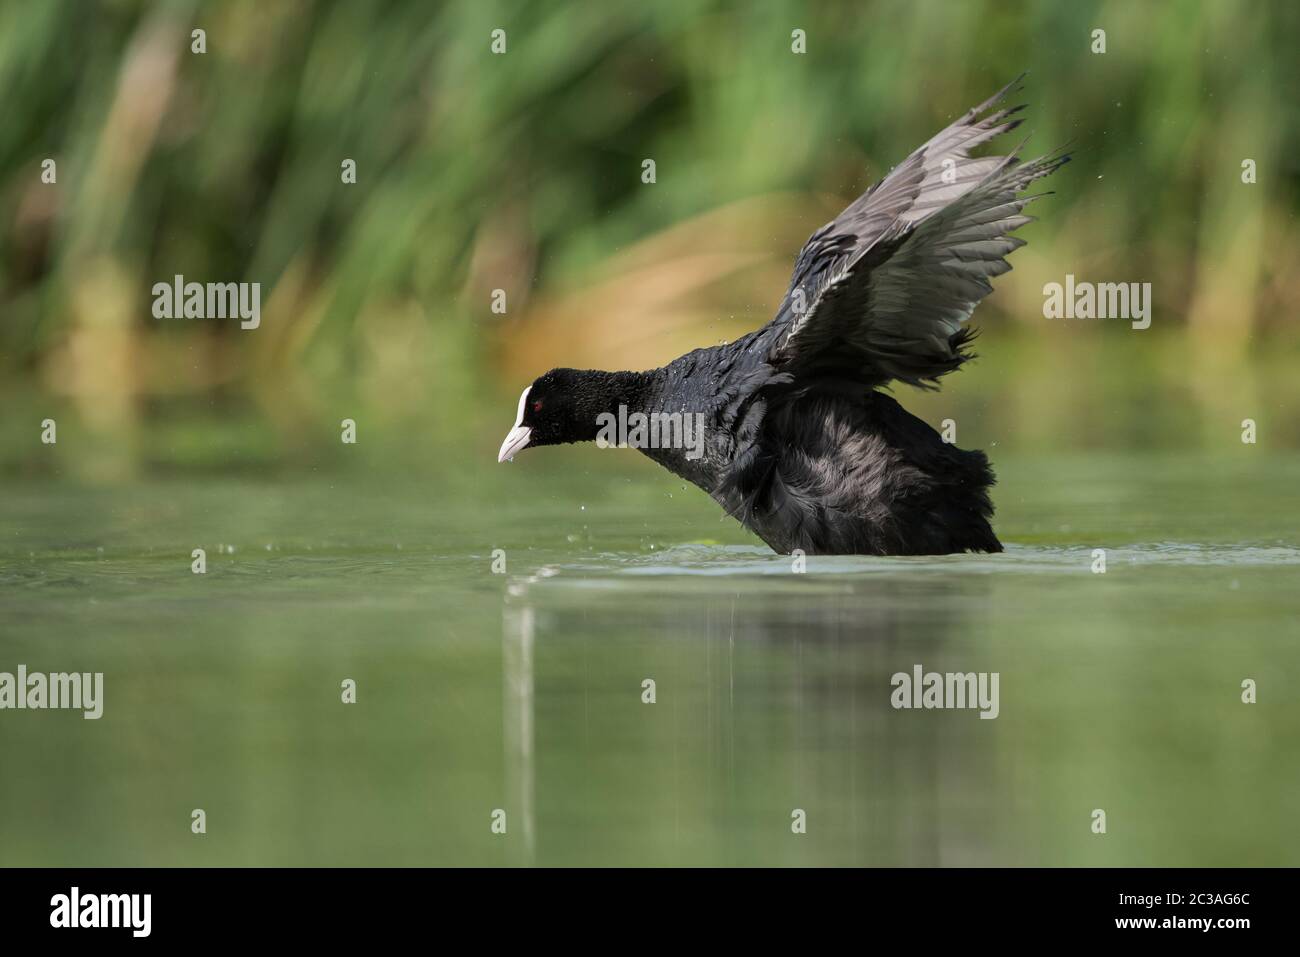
(334, 906)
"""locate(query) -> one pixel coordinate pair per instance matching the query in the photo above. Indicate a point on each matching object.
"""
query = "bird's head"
(560, 406)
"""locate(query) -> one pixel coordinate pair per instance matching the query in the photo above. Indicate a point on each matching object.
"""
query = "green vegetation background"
(521, 172)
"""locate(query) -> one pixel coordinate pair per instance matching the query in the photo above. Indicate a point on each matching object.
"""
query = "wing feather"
(884, 291)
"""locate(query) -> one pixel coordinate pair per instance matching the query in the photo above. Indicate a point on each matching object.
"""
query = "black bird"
(798, 442)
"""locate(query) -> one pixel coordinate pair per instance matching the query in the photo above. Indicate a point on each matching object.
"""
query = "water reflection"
(771, 695)
(517, 719)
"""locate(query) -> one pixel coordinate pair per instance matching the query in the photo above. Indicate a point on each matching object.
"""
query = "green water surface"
(523, 691)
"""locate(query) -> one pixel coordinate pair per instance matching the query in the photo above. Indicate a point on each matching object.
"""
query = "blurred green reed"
(521, 172)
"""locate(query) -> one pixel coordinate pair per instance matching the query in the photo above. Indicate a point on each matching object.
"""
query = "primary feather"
(887, 286)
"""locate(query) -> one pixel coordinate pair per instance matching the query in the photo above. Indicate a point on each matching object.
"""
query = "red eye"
(537, 406)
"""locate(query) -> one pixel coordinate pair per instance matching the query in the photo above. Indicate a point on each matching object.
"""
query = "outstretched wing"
(883, 291)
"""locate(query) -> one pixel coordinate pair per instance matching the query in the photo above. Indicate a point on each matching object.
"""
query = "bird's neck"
(612, 393)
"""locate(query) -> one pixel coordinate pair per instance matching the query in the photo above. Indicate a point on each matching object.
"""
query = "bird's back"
(838, 473)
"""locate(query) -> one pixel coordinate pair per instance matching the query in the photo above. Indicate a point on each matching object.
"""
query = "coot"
(787, 428)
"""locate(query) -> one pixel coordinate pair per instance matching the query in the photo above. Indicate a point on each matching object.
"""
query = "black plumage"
(799, 443)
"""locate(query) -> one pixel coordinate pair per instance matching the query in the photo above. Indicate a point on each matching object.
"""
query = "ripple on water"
(746, 560)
